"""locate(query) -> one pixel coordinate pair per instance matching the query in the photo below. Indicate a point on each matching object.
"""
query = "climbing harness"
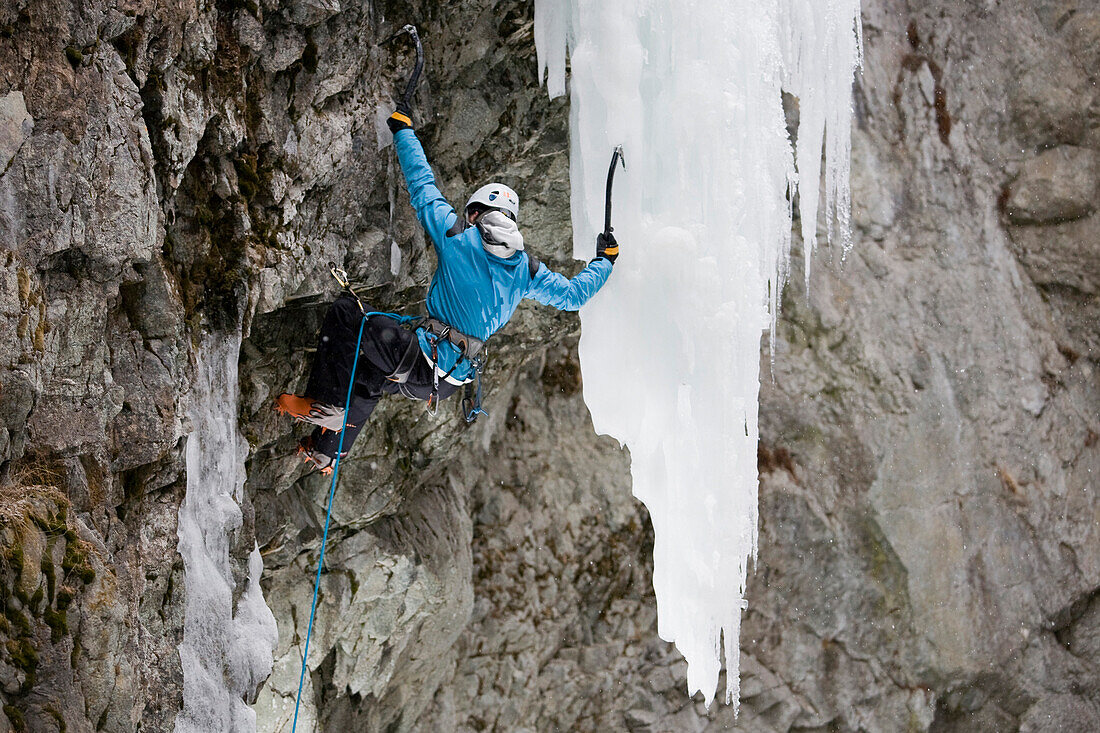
(469, 347)
(328, 508)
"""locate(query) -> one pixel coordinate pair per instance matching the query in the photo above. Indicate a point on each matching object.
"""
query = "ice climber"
(481, 275)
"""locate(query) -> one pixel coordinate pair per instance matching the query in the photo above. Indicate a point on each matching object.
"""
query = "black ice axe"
(616, 157)
(405, 105)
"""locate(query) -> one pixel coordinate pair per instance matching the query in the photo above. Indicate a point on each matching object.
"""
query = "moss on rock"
(35, 593)
(15, 715)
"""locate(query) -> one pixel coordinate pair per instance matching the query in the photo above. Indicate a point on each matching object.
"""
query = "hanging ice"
(226, 651)
(670, 347)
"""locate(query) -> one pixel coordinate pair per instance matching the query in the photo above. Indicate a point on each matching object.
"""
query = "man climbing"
(481, 275)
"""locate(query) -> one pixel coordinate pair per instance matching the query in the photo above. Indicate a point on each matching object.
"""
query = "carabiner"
(340, 274)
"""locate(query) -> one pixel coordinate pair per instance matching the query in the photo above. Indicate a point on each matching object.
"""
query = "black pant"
(384, 343)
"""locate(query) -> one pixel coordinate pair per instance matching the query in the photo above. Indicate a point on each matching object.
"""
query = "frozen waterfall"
(670, 348)
(227, 649)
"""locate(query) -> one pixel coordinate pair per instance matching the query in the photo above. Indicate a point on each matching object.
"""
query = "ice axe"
(616, 157)
(405, 105)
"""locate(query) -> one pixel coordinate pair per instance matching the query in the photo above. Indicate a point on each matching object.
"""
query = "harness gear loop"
(449, 334)
(341, 277)
(433, 398)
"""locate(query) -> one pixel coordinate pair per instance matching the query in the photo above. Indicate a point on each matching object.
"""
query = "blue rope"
(395, 316)
(328, 514)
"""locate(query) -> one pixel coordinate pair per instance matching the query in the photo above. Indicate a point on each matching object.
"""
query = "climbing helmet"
(497, 196)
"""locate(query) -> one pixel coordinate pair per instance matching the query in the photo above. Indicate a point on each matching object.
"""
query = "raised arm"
(433, 211)
(568, 294)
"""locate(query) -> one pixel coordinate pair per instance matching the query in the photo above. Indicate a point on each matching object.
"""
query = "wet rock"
(1062, 255)
(16, 125)
(637, 718)
(1049, 94)
(285, 48)
(311, 12)
(1061, 714)
(396, 597)
(16, 403)
(1082, 637)
(1082, 30)
(1057, 185)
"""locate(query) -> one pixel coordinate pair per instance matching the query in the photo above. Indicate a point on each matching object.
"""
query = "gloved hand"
(607, 247)
(401, 119)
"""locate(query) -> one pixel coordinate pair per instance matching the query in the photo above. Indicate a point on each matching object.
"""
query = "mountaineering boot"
(311, 411)
(319, 460)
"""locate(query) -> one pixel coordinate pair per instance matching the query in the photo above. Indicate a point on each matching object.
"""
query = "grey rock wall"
(929, 553)
(91, 378)
(932, 528)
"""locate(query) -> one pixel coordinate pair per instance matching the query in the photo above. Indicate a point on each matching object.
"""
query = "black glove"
(607, 247)
(400, 119)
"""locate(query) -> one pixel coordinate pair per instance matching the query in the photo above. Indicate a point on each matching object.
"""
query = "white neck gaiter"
(499, 235)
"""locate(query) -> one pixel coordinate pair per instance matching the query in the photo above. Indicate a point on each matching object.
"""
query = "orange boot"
(319, 460)
(311, 411)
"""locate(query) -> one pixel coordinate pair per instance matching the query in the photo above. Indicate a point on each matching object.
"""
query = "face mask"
(499, 234)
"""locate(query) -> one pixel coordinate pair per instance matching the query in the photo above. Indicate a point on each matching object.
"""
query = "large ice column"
(670, 348)
(227, 648)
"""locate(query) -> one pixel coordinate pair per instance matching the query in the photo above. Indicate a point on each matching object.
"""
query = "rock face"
(1060, 184)
(930, 534)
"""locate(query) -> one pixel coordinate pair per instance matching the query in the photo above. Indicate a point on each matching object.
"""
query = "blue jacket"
(473, 291)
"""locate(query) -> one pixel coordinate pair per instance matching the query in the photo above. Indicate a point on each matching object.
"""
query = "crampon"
(311, 411)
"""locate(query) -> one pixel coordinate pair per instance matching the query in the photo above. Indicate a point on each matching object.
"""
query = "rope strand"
(328, 515)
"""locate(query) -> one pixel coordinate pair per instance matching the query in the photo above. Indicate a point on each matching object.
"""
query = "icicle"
(670, 347)
(226, 651)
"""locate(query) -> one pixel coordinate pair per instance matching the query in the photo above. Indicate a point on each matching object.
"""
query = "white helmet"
(497, 196)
